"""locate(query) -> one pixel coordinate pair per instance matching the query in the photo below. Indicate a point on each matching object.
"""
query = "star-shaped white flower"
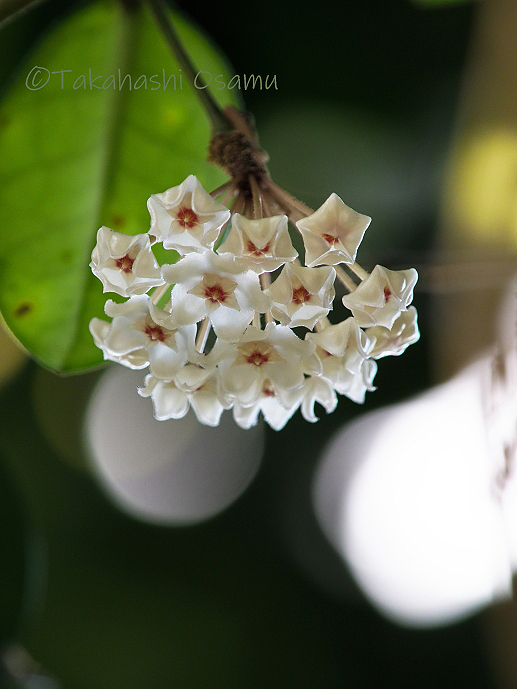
(302, 296)
(186, 218)
(217, 286)
(275, 354)
(264, 243)
(332, 234)
(192, 387)
(125, 263)
(380, 299)
(135, 359)
(275, 411)
(343, 350)
(140, 328)
(394, 341)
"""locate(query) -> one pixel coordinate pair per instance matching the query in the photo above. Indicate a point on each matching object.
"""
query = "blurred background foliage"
(92, 598)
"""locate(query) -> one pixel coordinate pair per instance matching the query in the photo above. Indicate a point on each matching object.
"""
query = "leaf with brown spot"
(75, 159)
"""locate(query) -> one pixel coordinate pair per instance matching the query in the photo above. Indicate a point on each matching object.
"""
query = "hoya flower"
(186, 218)
(317, 389)
(264, 243)
(355, 385)
(343, 350)
(217, 286)
(332, 234)
(139, 326)
(396, 340)
(380, 299)
(275, 354)
(125, 263)
(344, 340)
(302, 296)
(135, 359)
(275, 411)
(192, 387)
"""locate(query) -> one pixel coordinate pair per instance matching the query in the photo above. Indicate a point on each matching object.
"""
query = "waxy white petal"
(125, 263)
(394, 341)
(195, 294)
(140, 325)
(263, 243)
(302, 296)
(186, 218)
(171, 401)
(135, 359)
(332, 234)
(381, 298)
(274, 354)
(317, 390)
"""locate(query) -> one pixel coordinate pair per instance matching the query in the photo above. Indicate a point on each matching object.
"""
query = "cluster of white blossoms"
(223, 337)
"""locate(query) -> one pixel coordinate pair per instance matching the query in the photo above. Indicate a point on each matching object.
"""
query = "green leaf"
(75, 157)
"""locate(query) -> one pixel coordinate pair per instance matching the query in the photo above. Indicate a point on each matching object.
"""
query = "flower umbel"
(239, 274)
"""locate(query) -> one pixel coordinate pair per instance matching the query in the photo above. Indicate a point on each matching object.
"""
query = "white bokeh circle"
(169, 472)
(407, 497)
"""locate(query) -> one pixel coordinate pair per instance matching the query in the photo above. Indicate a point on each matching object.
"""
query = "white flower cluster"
(223, 281)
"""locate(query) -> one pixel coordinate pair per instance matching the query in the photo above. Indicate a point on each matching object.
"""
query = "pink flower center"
(125, 264)
(155, 333)
(216, 294)
(330, 239)
(254, 250)
(186, 217)
(258, 354)
(257, 358)
(387, 294)
(301, 295)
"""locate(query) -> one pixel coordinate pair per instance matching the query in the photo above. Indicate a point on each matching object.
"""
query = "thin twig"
(287, 200)
(225, 201)
(266, 205)
(257, 197)
(215, 114)
(221, 189)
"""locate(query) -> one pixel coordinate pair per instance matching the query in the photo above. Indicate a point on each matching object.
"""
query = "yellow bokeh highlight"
(482, 190)
(172, 117)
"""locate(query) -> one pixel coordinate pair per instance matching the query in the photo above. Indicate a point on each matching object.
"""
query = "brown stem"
(266, 204)
(287, 200)
(221, 189)
(215, 114)
(257, 198)
(239, 204)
